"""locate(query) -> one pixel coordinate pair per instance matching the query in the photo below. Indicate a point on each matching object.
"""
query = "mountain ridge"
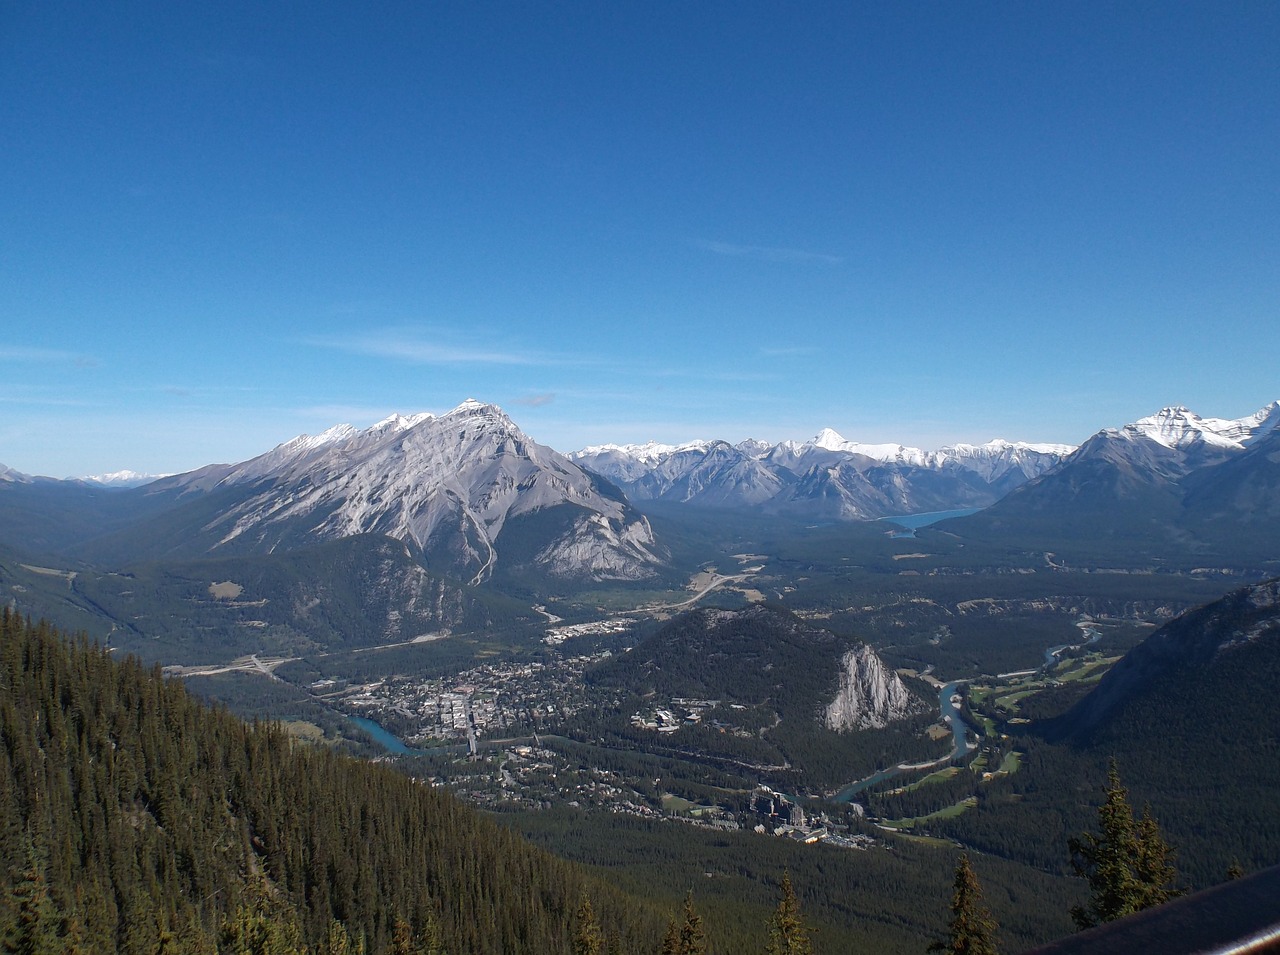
(445, 484)
(1174, 479)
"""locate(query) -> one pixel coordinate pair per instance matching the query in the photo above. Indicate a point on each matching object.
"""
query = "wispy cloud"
(39, 399)
(410, 345)
(535, 401)
(704, 374)
(46, 356)
(765, 253)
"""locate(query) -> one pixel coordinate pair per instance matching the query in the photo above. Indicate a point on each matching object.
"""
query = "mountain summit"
(1174, 480)
(449, 485)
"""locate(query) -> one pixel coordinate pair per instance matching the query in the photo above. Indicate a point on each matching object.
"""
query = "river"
(959, 739)
(384, 739)
(950, 715)
(1093, 633)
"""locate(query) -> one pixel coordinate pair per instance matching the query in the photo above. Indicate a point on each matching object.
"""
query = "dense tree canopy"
(131, 815)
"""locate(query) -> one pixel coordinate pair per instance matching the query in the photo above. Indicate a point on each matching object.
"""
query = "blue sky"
(224, 224)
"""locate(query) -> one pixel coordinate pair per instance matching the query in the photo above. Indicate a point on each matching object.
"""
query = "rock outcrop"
(871, 696)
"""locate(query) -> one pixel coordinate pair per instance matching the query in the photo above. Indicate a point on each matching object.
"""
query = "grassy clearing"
(931, 841)
(1010, 702)
(677, 803)
(304, 730)
(1089, 670)
(1011, 763)
(937, 777)
(950, 812)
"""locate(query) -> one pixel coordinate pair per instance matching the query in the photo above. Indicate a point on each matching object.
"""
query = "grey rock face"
(870, 695)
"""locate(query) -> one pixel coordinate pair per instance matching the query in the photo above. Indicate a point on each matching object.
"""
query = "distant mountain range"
(470, 494)
(448, 487)
(826, 477)
(1174, 478)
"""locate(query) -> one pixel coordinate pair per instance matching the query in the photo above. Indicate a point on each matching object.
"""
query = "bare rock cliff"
(870, 696)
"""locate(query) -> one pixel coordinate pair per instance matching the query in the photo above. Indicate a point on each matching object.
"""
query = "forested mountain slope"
(1189, 716)
(130, 815)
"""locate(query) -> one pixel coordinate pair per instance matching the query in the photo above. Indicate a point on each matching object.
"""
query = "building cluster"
(490, 700)
(516, 702)
(595, 628)
(785, 818)
(668, 719)
(537, 775)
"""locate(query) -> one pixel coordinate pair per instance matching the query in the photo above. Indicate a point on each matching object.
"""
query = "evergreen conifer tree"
(671, 940)
(788, 935)
(1127, 863)
(685, 937)
(1154, 863)
(693, 941)
(972, 929)
(401, 939)
(35, 928)
(587, 939)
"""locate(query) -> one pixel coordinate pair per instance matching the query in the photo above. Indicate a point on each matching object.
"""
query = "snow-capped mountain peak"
(1178, 427)
(10, 476)
(828, 440)
(125, 478)
(1173, 427)
(1001, 446)
(399, 422)
(754, 447)
(1250, 428)
(651, 452)
(447, 484)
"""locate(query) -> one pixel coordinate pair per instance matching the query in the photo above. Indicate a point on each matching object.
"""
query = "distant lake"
(913, 522)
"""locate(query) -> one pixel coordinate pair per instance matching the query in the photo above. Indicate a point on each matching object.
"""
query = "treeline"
(135, 820)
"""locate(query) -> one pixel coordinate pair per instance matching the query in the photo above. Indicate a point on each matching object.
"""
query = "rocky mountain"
(1244, 489)
(449, 486)
(871, 696)
(1174, 476)
(826, 477)
(9, 476)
